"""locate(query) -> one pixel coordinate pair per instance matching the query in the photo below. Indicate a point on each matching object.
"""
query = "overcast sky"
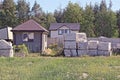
(51, 5)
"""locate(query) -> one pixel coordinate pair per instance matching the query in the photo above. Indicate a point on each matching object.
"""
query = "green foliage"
(23, 9)
(21, 49)
(105, 21)
(53, 50)
(47, 68)
(88, 24)
(8, 17)
(73, 13)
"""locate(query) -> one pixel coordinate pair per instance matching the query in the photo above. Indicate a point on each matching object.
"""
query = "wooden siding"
(34, 46)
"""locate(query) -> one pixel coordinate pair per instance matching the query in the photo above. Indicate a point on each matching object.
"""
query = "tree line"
(95, 20)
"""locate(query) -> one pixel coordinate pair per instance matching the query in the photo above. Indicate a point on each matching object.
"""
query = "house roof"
(72, 26)
(30, 25)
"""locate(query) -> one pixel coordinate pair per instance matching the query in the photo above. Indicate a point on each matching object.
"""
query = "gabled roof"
(30, 25)
(72, 26)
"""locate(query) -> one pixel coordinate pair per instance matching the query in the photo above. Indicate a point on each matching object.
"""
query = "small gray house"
(32, 34)
(58, 29)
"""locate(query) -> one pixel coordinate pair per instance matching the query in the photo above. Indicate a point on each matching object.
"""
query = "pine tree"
(73, 13)
(36, 10)
(118, 21)
(88, 24)
(8, 16)
(23, 10)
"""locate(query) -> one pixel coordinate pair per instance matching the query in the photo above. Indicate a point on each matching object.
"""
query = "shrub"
(21, 49)
(53, 50)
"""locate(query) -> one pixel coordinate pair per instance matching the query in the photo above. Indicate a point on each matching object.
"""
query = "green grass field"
(59, 68)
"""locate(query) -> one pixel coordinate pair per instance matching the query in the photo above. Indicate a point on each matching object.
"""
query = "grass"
(59, 68)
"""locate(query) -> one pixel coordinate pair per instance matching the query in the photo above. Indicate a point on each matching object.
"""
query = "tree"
(88, 24)
(105, 21)
(49, 19)
(8, 17)
(59, 14)
(23, 10)
(36, 10)
(118, 21)
(73, 13)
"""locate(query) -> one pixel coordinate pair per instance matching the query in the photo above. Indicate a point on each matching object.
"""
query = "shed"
(32, 34)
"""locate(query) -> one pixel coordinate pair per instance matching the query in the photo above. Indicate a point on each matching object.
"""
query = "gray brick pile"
(76, 44)
(6, 49)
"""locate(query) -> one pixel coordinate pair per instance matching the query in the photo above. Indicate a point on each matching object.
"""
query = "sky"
(51, 5)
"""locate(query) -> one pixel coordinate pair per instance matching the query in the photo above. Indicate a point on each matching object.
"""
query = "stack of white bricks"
(6, 49)
(70, 45)
(76, 44)
(92, 47)
(104, 49)
(82, 48)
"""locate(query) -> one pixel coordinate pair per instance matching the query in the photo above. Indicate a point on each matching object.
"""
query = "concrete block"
(82, 52)
(69, 53)
(70, 44)
(104, 53)
(6, 49)
(92, 52)
(70, 37)
(104, 46)
(81, 37)
(93, 45)
(82, 45)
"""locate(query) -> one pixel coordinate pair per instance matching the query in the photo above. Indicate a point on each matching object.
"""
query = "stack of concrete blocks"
(70, 45)
(81, 37)
(93, 48)
(104, 49)
(6, 49)
(82, 48)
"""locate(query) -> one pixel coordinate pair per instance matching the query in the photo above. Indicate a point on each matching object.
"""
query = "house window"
(25, 37)
(28, 36)
(63, 31)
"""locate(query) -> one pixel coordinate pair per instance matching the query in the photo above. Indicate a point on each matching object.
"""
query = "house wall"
(10, 34)
(34, 46)
(54, 34)
(6, 33)
(44, 41)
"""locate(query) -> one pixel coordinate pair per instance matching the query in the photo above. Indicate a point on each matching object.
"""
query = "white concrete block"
(6, 49)
(69, 53)
(82, 45)
(81, 37)
(104, 53)
(82, 52)
(70, 37)
(104, 46)
(93, 45)
(92, 52)
(70, 44)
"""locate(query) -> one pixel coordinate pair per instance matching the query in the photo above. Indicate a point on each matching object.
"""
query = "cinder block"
(104, 46)
(92, 52)
(93, 45)
(82, 45)
(81, 37)
(70, 37)
(6, 49)
(82, 52)
(69, 53)
(104, 53)
(70, 44)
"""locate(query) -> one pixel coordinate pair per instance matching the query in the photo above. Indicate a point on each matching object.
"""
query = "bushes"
(53, 50)
(21, 49)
